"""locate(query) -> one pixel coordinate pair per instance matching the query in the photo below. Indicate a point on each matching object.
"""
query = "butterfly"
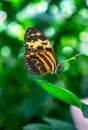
(39, 56)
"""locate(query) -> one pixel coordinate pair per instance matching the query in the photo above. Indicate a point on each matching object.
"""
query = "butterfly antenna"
(72, 58)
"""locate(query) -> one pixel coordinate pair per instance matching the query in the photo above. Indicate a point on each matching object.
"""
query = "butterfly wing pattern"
(39, 56)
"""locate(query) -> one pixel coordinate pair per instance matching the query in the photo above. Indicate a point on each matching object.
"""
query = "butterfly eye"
(59, 67)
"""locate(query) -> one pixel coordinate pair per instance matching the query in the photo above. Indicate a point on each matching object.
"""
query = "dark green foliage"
(22, 100)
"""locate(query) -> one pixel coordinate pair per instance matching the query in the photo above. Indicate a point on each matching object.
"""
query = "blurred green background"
(65, 23)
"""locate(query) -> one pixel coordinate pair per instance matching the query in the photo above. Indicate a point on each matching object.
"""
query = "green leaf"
(85, 110)
(53, 125)
(37, 127)
(64, 95)
(60, 93)
(58, 124)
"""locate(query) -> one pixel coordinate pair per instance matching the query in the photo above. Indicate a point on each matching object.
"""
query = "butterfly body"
(39, 56)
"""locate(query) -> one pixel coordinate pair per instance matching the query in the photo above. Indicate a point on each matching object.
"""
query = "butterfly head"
(59, 67)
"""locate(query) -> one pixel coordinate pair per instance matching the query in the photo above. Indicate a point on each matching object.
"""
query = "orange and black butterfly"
(39, 56)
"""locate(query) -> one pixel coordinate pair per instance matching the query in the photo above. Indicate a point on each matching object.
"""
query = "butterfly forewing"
(39, 55)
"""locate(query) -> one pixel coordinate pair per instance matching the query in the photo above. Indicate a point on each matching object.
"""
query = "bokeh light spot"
(83, 36)
(44, 5)
(67, 50)
(5, 51)
(84, 13)
(49, 32)
(15, 30)
(32, 10)
(84, 48)
(66, 66)
(67, 8)
(54, 9)
(3, 16)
